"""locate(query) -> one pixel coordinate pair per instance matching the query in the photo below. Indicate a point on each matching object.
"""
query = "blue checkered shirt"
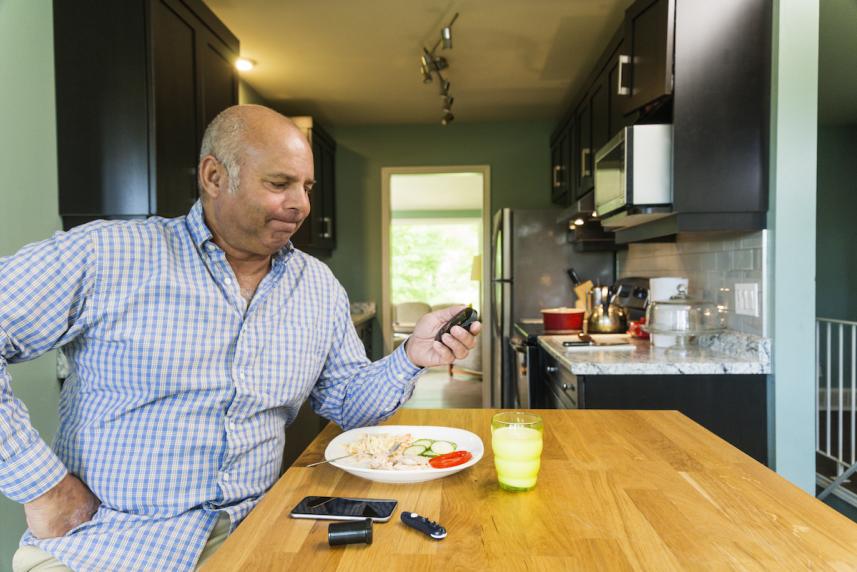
(180, 392)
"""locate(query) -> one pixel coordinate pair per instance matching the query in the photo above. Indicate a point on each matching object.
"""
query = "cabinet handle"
(584, 162)
(620, 86)
(565, 386)
(551, 368)
(328, 227)
(556, 171)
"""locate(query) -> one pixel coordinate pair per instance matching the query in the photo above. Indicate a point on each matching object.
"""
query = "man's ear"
(212, 176)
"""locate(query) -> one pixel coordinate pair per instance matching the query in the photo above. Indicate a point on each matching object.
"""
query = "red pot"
(562, 319)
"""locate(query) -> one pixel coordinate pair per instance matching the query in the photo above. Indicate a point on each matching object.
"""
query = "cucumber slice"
(429, 453)
(424, 442)
(414, 451)
(442, 447)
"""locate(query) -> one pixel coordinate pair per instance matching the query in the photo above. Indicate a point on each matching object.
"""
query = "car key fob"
(464, 319)
(424, 525)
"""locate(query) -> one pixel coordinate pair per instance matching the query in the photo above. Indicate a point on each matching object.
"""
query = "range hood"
(584, 228)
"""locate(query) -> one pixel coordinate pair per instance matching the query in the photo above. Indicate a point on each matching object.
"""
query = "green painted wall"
(248, 94)
(517, 152)
(28, 196)
(836, 233)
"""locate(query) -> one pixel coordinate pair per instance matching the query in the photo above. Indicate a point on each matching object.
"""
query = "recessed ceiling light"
(244, 64)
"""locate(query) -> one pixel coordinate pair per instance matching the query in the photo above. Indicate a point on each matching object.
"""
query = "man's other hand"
(424, 351)
(65, 506)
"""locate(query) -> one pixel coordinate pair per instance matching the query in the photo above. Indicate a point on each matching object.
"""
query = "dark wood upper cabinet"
(561, 172)
(646, 62)
(599, 103)
(317, 234)
(133, 101)
(616, 111)
(704, 67)
(584, 155)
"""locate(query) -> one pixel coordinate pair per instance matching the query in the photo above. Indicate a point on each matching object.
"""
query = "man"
(192, 343)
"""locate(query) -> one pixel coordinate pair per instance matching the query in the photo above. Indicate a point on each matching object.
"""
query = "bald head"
(239, 130)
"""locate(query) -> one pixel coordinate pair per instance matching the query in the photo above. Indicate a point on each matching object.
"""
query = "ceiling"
(837, 72)
(352, 62)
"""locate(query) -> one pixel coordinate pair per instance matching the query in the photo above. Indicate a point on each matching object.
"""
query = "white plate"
(464, 440)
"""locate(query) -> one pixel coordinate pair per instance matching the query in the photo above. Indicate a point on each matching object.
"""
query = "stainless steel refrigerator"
(529, 258)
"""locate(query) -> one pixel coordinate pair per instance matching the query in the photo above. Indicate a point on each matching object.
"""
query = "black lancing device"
(464, 318)
(428, 527)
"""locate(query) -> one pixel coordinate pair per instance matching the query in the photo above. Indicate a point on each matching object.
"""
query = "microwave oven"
(633, 175)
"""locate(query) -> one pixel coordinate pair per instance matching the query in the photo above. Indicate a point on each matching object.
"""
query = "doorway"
(434, 229)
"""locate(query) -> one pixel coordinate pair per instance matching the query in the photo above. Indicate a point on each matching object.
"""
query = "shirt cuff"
(403, 371)
(31, 473)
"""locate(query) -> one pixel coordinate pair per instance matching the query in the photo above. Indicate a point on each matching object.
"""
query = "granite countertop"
(362, 312)
(726, 353)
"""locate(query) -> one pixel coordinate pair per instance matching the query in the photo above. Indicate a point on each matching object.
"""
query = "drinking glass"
(516, 438)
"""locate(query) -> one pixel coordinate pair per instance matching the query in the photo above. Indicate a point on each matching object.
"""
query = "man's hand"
(65, 506)
(424, 351)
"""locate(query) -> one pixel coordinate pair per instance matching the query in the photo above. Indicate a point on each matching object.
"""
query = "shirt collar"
(201, 234)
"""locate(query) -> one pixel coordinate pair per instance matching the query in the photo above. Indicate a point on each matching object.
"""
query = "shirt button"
(230, 424)
(227, 280)
(224, 477)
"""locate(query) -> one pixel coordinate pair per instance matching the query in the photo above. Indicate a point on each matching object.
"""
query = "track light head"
(448, 117)
(446, 37)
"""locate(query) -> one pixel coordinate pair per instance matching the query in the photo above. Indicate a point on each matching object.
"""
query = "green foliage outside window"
(432, 261)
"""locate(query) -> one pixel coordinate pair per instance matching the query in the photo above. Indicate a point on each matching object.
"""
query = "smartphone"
(342, 508)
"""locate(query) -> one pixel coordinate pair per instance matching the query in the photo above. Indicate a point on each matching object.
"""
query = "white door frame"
(386, 303)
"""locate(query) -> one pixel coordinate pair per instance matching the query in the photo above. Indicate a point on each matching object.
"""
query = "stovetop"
(529, 330)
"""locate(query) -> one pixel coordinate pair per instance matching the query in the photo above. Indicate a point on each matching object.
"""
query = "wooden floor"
(435, 389)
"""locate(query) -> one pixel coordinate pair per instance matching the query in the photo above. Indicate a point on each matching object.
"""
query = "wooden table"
(618, 490)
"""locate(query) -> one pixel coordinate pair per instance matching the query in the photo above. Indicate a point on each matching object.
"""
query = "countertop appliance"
(604, 317)
(632, 294)
(633, 176)
(529, 258)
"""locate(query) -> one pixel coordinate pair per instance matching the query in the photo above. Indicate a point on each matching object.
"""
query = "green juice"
(517, 456)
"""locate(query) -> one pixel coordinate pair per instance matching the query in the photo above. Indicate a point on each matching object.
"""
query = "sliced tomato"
(450, 459)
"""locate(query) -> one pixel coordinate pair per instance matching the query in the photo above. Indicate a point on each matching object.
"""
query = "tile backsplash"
(713, 263)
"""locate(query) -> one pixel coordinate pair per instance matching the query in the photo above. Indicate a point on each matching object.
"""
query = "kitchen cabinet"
(561, 171)
(731, 406)
(646, 64)
(705, 68)
(317, 234)
(133, 101)
(365, 332)
(583, 157)
(616, 118)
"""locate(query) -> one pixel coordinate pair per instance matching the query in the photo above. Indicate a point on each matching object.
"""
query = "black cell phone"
(342, 508)
(464, 318)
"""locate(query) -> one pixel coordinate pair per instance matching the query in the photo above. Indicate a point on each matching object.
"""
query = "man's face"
(272, 200)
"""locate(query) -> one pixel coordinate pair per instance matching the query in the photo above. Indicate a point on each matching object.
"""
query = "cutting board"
(602, 342)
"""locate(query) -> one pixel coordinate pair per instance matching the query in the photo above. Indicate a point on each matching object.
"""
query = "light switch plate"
(747, 299)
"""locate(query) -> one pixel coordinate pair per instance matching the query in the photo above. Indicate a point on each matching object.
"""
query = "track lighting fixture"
(430, 63)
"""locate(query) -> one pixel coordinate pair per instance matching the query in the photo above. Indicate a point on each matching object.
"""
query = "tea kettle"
(603, 316)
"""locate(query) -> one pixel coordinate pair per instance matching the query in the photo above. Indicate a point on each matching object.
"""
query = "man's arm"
(354, 392)
(43, 290)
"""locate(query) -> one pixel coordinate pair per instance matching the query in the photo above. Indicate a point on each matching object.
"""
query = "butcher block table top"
(617, 490)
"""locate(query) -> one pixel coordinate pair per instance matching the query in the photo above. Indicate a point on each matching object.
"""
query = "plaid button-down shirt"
(179, 391)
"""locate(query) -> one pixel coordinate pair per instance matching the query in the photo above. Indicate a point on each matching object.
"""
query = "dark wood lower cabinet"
(734, 407)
